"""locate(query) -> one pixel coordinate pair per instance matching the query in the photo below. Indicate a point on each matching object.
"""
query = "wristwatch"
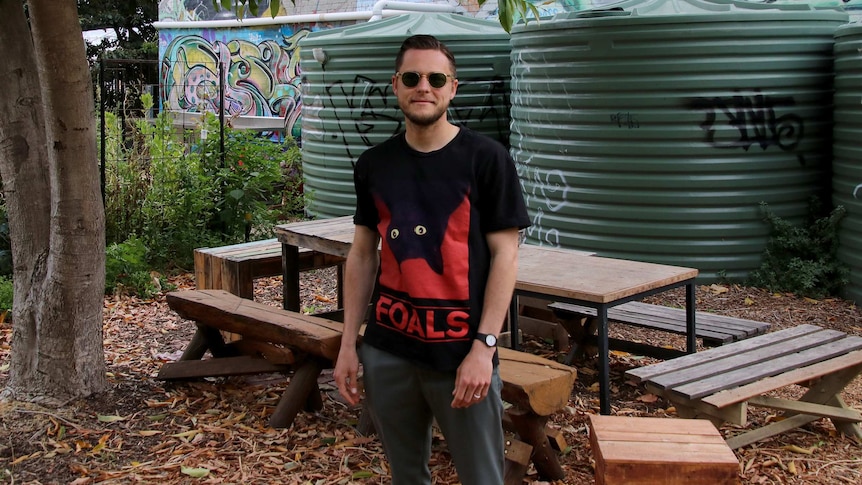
(487, 339)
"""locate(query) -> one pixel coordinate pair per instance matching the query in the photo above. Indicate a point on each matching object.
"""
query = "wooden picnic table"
(545, 273)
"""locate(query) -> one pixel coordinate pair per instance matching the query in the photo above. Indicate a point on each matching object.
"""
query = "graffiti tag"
(742, 121)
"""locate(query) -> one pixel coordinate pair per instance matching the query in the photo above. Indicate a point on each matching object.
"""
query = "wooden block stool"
(653, 451)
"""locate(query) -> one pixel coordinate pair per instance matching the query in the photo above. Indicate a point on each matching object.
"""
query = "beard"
(424, 119)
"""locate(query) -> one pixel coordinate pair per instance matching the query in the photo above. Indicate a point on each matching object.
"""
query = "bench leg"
(827, 389)
(531, 429)
(290, 277)
(303, 382)
(206, 338)
(196, 348)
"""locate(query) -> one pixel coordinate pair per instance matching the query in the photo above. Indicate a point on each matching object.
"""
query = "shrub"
(6, 293)
(127, 270)
(802, 259)
(5, 243)
(177, 195)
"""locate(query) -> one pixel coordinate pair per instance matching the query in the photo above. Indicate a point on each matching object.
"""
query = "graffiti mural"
(261, 76)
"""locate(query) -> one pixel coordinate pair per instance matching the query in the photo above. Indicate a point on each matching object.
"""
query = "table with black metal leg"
(599, 283)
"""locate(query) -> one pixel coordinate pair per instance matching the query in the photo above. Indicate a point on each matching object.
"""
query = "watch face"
(490, 340)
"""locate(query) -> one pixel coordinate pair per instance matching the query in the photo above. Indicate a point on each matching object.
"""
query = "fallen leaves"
(146, 431)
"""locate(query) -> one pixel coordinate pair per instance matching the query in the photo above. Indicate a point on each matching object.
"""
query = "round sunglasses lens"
(437, 79)
(410, 79)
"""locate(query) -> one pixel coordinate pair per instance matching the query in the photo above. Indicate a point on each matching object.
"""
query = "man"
(445, 206)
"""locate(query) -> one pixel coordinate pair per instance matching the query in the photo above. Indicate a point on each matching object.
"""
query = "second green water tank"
(655, 129)
(847, 151)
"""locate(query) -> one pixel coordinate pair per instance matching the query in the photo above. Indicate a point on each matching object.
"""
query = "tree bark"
(49, 166)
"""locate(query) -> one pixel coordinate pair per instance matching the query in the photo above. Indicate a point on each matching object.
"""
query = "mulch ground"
(142, 430)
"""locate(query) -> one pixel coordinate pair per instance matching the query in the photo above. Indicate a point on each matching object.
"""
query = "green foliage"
(127, 270)
(258, 180)
(5, 243)
(802, 259)
(6, 291)
(176, 195)
(510, 11)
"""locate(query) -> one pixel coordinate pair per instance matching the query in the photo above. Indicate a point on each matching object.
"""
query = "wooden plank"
(201, 270)
(270, 352)
(545, 330)
(652, 371)
(767, 368)
(666, 452)
(535, 383)
(686, 408)
(517, 455)
(555, 436)
(769, 430)
(225, 311)
(745, 360)
(218, 367)
(642, 436)
(795, 376)
(718, 329)
(709, 319)
(821, 410)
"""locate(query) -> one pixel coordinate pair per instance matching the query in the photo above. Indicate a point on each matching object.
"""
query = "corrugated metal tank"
(348, 104)
(653, 131)
(847, 152)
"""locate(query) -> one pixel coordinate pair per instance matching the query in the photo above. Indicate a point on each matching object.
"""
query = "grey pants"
(403, 399)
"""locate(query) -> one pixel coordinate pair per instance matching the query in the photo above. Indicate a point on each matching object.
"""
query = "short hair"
(424, 42)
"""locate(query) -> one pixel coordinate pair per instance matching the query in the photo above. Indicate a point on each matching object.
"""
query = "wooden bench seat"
(234, 268)
(715, 330)
(720, 383)
(277, 340)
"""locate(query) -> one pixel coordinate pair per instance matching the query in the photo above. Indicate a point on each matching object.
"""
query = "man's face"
(424, 104)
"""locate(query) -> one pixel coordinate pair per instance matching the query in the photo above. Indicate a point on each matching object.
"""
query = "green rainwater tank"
(847, 152)
(653, 130)
(348, 104)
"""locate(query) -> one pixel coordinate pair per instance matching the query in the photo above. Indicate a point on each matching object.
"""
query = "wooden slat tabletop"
(796, 376)
(574, 275)
(329, 236)
(767, 368)
(745, 360)
(652, 371)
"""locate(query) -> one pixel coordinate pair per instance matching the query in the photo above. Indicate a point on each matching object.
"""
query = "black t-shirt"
(432, 211)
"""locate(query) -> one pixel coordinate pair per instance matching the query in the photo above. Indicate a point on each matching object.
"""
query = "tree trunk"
(48, 161)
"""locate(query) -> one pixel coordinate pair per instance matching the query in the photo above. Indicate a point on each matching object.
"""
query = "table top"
(574, 275)
(330, 236)
(554, 272)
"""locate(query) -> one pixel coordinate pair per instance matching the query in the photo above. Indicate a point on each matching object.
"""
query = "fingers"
(466, 397)
(347, 382)
(348, 388)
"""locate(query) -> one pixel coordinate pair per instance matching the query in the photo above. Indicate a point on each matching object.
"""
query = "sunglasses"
(435, 79)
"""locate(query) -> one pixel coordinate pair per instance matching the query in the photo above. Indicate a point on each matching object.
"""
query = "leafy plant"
(802, 259)
(127, 270)
(181, 191)
(6, 293)
(248, 177)
(5, 243)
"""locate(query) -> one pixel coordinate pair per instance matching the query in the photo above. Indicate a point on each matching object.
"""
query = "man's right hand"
(346, 369)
